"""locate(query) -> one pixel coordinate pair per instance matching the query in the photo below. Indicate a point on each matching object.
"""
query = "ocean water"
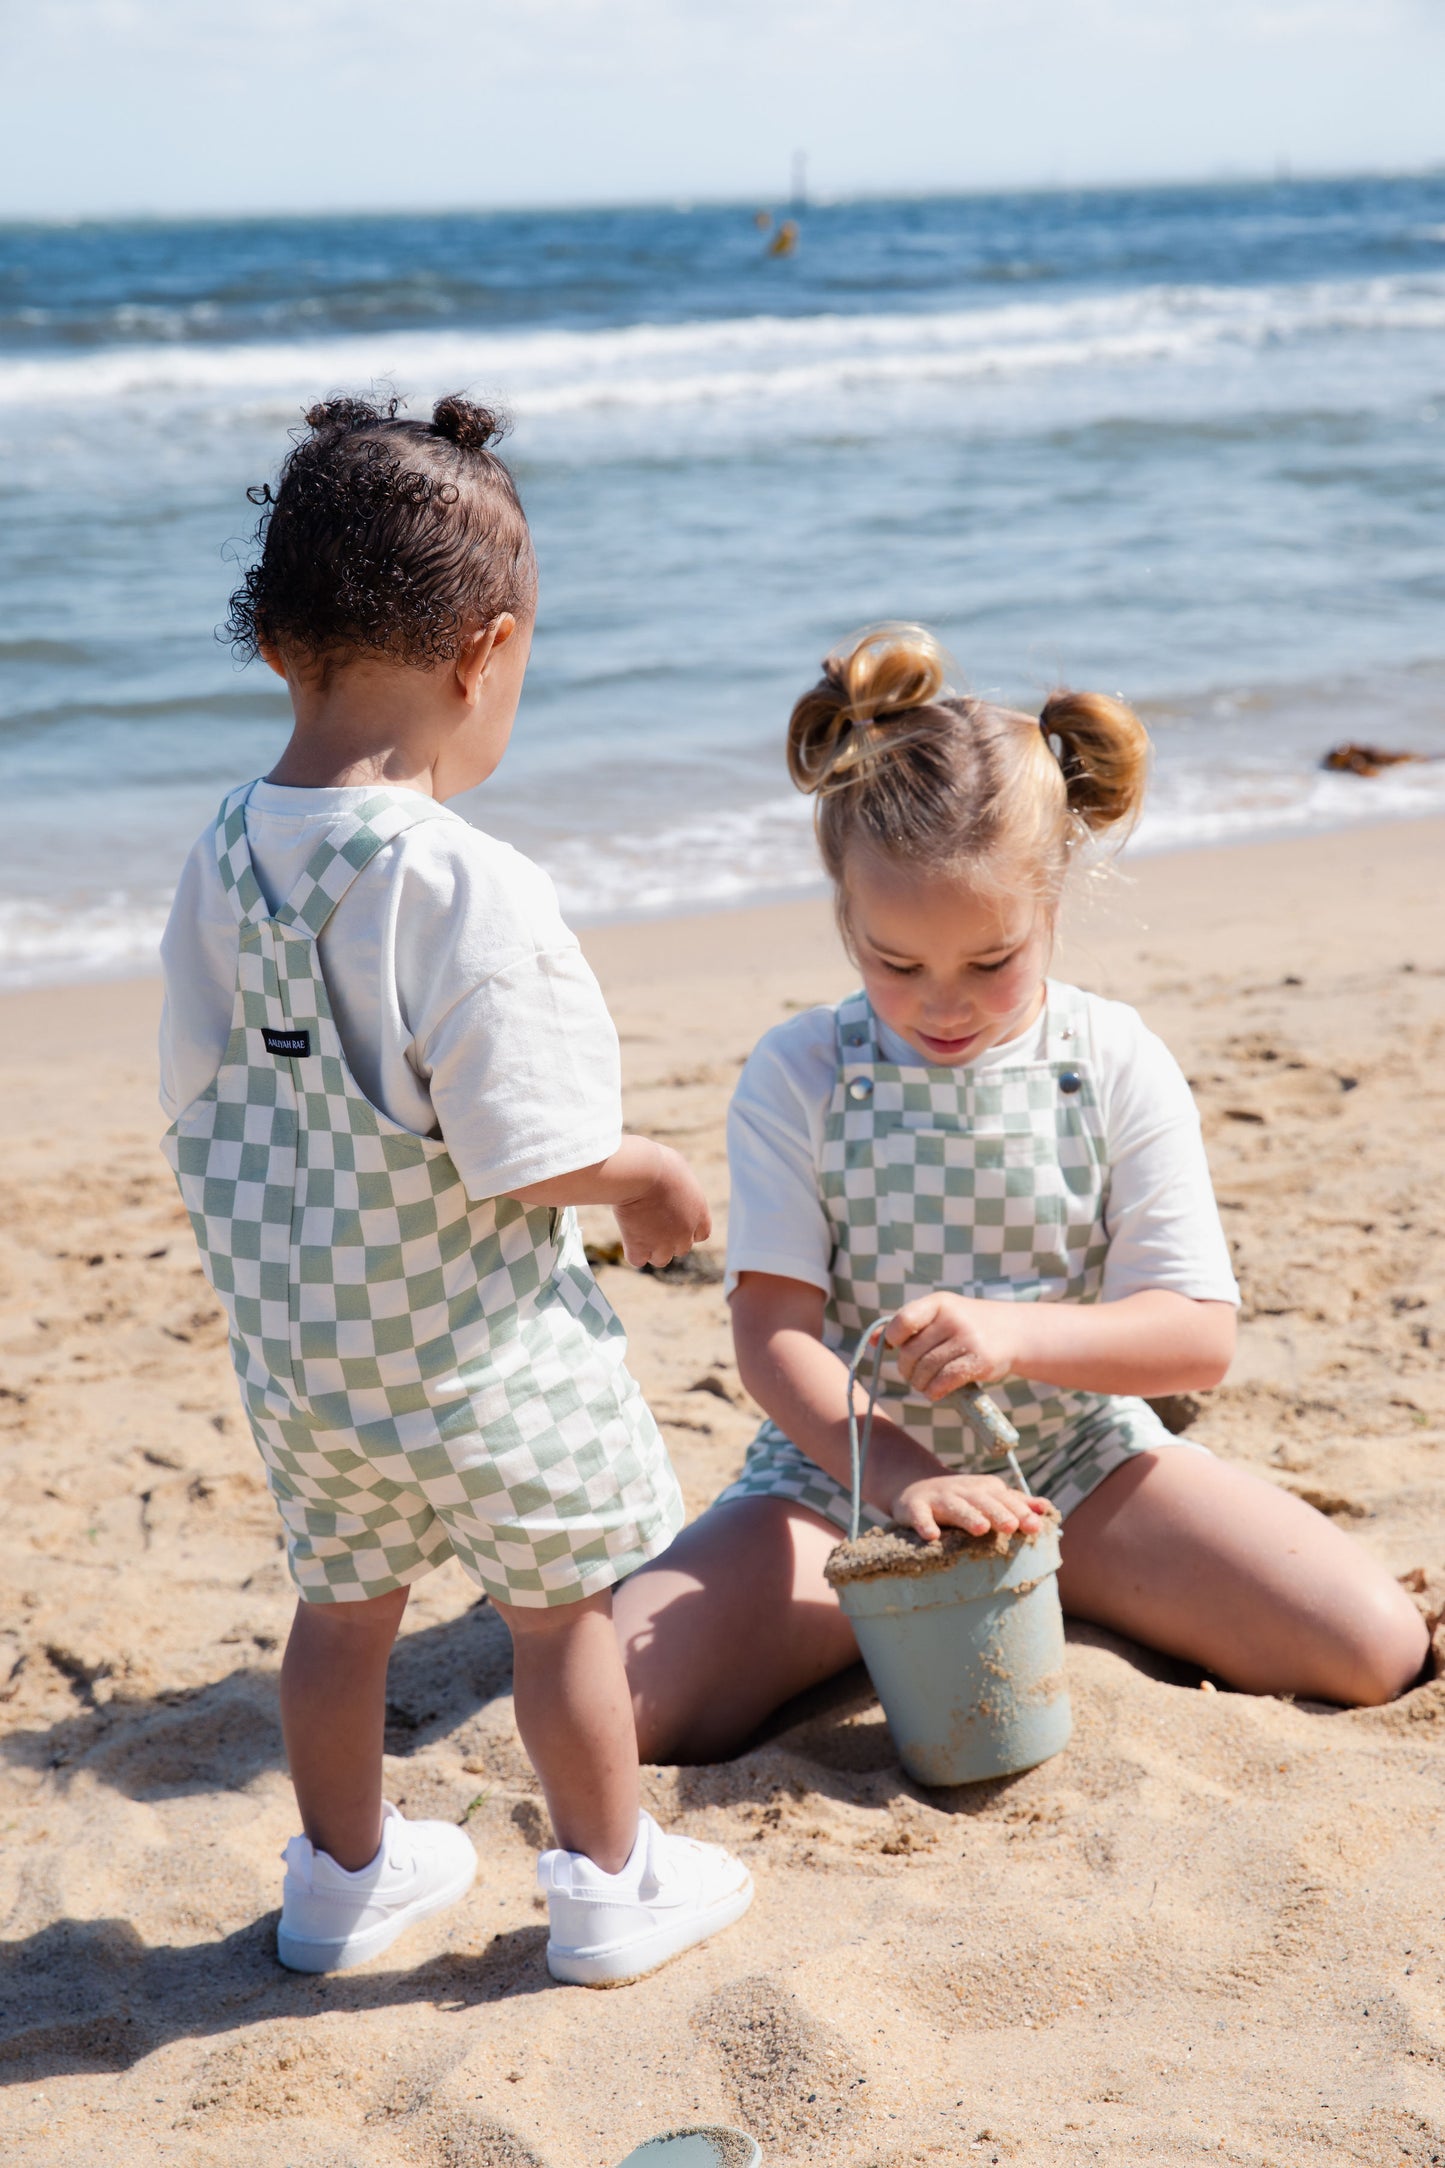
(1186, 444)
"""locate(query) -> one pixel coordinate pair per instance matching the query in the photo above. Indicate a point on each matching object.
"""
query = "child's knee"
(350, 1624)
(542, 1622)
(1387, 1649)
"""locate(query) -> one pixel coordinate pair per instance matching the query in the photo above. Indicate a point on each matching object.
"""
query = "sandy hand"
(974, 1503)
(948, 1341)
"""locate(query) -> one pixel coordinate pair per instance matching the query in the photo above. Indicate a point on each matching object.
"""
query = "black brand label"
(286, 1042)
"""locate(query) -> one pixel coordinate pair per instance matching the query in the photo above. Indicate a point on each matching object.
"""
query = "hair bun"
(845, 725)
(1103, 750)
(342, 413)
(887, 670)
(471, 428)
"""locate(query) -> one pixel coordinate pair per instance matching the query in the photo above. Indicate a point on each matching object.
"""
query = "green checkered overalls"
(991, 1183)
(424, 1374)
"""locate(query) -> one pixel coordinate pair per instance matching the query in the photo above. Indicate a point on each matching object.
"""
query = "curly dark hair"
(386, 536)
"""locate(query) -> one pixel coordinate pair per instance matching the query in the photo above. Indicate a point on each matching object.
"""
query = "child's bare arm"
(803, 1385)
(1151, 1342)
(655, 1197)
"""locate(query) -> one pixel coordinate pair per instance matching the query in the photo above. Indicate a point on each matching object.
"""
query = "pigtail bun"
(1103, 750)
(471, 428)
(342, 413)
(835, 732)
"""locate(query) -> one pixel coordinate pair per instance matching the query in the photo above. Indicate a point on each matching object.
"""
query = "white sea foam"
(1187, 810)
(557, 373)
(702, 863)
(44, 943)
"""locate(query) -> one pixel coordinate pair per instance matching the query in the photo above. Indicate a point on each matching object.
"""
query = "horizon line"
(1285, 174)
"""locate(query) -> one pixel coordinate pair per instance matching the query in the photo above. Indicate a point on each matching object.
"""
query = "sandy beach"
(1213, 1927)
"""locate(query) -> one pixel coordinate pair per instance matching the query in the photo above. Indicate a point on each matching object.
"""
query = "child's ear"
(478, 650)
(270, 657)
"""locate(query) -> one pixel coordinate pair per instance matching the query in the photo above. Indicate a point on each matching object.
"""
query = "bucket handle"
(990, 1425)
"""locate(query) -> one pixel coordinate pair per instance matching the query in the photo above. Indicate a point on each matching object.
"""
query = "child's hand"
(945, 1341)
(974, 1503)
(654, 1195)
(666, 1217)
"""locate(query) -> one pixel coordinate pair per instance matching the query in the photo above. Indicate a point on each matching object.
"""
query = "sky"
(113, 107)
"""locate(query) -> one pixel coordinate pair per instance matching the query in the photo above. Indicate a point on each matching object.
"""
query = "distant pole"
(800, 180)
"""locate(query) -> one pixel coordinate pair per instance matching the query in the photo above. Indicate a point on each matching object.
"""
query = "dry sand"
(1214, 1927)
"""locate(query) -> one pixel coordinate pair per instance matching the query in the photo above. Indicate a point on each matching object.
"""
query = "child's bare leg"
(333, 1715)
(575, 1718)
(733, 1619)
(1208, 1562)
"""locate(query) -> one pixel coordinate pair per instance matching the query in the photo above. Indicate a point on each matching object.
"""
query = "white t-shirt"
(465, 1006)
(1160, 1215)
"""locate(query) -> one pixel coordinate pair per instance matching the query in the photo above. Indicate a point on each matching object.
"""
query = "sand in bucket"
(964, 1637)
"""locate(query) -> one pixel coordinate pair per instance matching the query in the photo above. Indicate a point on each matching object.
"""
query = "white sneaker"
(332, 1917)
(607, 1928)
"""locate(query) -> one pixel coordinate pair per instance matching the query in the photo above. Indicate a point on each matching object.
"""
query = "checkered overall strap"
(1068, 1030)
(344, 852)
(233, 858)
(857, 1032)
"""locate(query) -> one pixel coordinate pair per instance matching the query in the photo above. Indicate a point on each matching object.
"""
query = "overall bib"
(991, 1183)
(425, 1375)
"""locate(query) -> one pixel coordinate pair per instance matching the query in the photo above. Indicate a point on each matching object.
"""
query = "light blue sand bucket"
(964, 1641)
(714, 2147)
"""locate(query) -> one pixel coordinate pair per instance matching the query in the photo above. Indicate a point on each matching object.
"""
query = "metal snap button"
(1071, 1081)
(860, 1088)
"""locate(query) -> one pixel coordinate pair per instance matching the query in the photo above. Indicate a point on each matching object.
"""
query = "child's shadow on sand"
(90, 1995)
(218, 1737)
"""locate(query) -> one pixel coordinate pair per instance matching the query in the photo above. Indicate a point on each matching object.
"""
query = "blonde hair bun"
(1103, 750)
(884, 671)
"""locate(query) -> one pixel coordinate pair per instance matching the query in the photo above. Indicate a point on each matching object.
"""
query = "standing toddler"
(391, 1075)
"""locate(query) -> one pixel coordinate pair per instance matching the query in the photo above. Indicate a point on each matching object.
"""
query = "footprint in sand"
(792, 2076)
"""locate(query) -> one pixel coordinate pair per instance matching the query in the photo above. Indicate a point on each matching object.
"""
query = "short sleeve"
(776, 1219)
(1161, 1217)
(509, 1030)
(198, 964)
